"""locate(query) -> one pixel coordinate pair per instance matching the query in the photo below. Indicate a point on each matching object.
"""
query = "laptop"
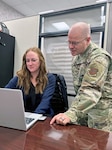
(12, 113)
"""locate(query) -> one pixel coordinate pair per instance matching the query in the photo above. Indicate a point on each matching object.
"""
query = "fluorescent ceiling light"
(45, 12)
(99, 1)
(61, 26)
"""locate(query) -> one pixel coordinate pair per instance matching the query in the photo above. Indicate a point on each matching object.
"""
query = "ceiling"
(34, 7)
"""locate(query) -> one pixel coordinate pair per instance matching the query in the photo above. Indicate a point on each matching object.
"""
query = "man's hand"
(60, 119)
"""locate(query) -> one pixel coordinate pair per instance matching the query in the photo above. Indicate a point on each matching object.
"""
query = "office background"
(22, 19)
(25, 29)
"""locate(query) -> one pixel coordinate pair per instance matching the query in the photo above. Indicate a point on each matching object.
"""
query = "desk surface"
(42, 136)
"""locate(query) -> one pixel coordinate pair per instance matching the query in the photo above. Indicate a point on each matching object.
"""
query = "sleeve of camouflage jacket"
(91, 87)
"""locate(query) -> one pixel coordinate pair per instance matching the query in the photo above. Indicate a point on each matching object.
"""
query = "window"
(53, 37)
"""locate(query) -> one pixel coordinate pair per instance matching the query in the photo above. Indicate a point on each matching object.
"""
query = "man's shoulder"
(97, 50)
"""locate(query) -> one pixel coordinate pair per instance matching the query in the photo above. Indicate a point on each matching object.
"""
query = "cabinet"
(7, 47)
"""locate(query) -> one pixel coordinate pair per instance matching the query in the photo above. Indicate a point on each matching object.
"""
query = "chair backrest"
(4, 28)
(59, 101)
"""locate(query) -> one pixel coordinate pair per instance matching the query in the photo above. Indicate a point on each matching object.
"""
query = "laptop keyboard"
(28, 120)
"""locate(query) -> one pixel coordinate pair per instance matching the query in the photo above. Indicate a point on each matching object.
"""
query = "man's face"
(77, 42)
(77, 45)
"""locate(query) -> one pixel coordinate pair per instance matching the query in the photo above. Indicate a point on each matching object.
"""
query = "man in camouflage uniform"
(92, 78)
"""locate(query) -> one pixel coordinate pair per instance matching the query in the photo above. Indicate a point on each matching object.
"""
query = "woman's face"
(32, 62)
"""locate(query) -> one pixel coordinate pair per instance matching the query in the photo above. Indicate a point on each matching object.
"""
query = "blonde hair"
(24, 74)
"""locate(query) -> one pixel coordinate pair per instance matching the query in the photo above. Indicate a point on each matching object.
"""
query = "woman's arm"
(12, 84)
(44, 106)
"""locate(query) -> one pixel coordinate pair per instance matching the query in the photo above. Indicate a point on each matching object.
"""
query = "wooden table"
(43, 136)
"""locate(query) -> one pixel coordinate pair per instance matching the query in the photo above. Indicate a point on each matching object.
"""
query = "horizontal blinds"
(58, 59)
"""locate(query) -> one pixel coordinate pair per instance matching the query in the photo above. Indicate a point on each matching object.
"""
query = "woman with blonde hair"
(36, 84)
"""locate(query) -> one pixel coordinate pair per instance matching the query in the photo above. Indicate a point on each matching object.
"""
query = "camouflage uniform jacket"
(92, 78)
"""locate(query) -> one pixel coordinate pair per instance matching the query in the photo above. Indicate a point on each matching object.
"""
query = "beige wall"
(25, 31)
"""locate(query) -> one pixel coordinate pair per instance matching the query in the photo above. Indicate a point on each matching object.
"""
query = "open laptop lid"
(12, 113)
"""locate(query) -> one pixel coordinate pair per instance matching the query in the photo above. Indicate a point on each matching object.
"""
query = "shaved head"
(80, 29)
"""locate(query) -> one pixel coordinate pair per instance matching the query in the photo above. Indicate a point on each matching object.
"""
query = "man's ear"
(88, 39)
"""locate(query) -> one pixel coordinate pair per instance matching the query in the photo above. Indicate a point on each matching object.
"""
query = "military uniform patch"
(93, 71)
